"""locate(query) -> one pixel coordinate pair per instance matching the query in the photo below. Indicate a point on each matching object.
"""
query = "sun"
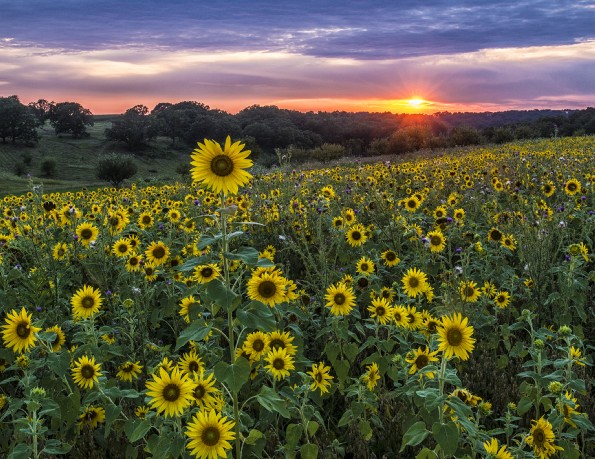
(416, 102)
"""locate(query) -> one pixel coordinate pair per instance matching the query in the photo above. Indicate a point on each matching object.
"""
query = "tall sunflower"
(420, 359)
(121, 248)
(221, 170)
(356, 235)
(390, 258)
(18, 333)
(85, 372)
(210, 434)
(278, 340)
(191, 363)
(381, 309)
(91, 417)
(268, 288)
(469, 291)
(541, 438)
(437, 241)
(87, 233)
(204, 274)
(85, 302)
(371, 376)
(60, 338)
(279, 362)
(171, 393)
(321, 377)
(365, 266)
(492, 450)
(414, 282)
(256, 345)
(454, 336)
(204, 392)
(157, 253)
(129, 371)
(340, 298)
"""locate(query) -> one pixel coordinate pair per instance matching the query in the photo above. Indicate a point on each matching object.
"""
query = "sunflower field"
(440, 307)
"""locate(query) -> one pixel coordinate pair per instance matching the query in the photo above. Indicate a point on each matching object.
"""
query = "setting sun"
(416, 102)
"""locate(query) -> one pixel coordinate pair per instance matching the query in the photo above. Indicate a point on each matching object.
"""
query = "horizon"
(401, 58)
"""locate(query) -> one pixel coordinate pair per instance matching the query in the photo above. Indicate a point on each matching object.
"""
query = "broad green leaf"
(447, 436)
(53, 446)
(332, 350)
(415, 435)
(312, 427)
(341, 367)
(350, 350)
(257, 316)
(234, 376)
(270, 400)
(196, 331)
(426, 454)
(248, 255)
(365, 429)
(20, 451)
(309, 451)
(253, 437)
(293, 433)
(136, 429)
(220, 294)
(524, 405)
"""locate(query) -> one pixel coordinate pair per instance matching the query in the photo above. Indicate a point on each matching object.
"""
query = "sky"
(400, 56)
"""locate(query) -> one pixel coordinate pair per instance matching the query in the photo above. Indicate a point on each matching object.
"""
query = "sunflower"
(151, 272)
(356, 235)
(495, 235)
(171, 393)
(502, 299)
(420, 359)
(387, 293)
(268, 288)
(541, 438)
(413, 318)
(390, 258)
(411, 204)
(508, 241)
(466, 397)
(60, 251)
(572, 187)
(455, 337)
(576, 356)
(381, 309)
(279, 363)
(437, 241)
(459, 215)
(493, 452)
(365, 266)
(256, 345)
(203, 274)
(548, 189)
(85, 302)
(210, 434)
(91, 417)
(414, 282)
(129, 371)
(18, 333)
(186, 304)
(145, 220)
(157, 253)
(400, 316)
(340, 298)
(321, 377)
(204, 392)
(371, 376)
(85, 372)
(469, 291)
(141, 411)
(221, 170)
(338, 222)
(349, 215)
(122, 248)
(134, 263)
(191, 363)
(87, 233)
(278, 340)
(60, 338)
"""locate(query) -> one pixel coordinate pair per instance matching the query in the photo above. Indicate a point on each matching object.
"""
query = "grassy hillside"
(77, 158)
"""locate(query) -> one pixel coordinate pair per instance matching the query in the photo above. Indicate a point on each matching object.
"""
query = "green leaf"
(196, 331)
(346, 418)
(332, 350)
(53, 446)
(341, 367)
(70, 407)
(248, 255)
(312, 427)
(253, 437)
(524, 405)
(59, 363)
(365, 429)
(257, 315)
(350, 350)
(20, 451)
(111, 414)
(293, 433)
(447, 436)
(136, 429)
(220, 294)
(414, 435)
(426, 454)
(270, 400)
(234, 376)
(309, 451)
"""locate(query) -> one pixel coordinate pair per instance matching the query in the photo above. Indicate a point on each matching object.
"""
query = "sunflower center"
(454, 337)
(278, 364)
(171, 392)
(413, 282)
(258, 345)
(276, 344)
(411, 203)
(146, 219)
(391, 256)
(122, 248)
(380, 311)
(86, 233)
(318, 377)
(539, 437)
(222, 165)
(133, 261)
(23, 330)
(435, 240)
(88, 302)
(193, 366)
(199, 392)
(267, 289)
(340, 299)
(356, 235)
(61, 252)
(87, 371)
(364, 267)
(206, 272)
(469, 291)
(571, 186)
(158, 252)
(210, 436)
(127, 368)
(421, 361)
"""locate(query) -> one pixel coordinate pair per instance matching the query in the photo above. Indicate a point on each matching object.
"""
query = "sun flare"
(416, 103)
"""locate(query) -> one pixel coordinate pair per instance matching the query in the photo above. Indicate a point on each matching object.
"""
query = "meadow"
(431, 307)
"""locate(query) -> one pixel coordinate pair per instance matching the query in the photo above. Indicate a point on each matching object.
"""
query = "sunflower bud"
(564, 331)
(555, 387)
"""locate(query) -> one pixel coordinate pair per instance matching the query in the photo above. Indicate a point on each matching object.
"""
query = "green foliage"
(70, 118)
(17, 122)
(48, 167)
(115, 168)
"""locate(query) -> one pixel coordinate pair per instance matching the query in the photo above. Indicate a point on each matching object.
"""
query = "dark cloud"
(376, 29)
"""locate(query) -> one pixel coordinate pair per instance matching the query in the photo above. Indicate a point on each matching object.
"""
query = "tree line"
(272, 132)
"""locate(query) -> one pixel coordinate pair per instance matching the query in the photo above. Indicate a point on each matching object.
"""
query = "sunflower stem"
(441, 380)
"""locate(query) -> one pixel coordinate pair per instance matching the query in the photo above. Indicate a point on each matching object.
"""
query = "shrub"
(48, 167)
(115, 168)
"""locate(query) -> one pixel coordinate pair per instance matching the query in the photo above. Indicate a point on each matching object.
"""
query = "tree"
(16, 121)
(70, 117)
(133, 127)
(115, 168)
(41, 110)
